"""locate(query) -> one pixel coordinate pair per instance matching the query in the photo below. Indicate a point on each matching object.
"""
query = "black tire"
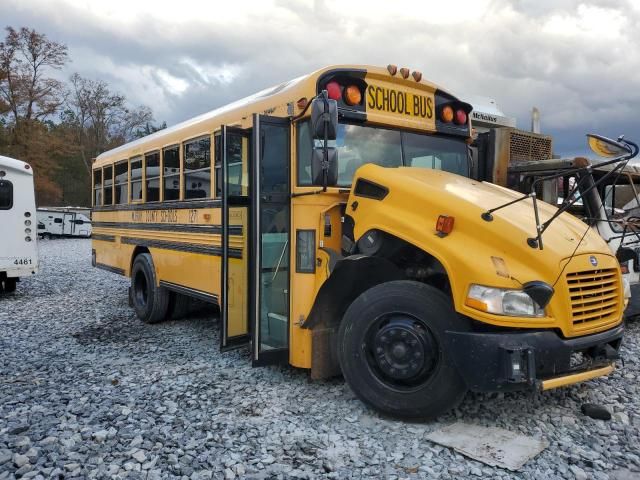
(391, 349)
(10, 285)
(178, 305)
(150, 301)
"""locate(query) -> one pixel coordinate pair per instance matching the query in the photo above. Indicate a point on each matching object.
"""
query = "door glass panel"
(235, 238)
(274, 237)
(275, 276)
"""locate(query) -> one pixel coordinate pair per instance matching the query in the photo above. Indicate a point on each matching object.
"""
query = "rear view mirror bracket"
(324, 126)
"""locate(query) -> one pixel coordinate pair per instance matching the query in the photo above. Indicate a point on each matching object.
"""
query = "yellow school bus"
(333, 221)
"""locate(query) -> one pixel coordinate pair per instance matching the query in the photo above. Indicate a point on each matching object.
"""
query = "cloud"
(578, 62)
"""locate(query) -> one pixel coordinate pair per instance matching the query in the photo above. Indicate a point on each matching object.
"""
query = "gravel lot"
(89, 391)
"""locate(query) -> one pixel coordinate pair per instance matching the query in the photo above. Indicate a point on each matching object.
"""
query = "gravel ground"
(89, 391)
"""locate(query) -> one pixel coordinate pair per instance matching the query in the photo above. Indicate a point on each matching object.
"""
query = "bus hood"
(419, 196)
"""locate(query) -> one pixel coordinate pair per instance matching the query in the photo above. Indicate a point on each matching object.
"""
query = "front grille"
(595, 297)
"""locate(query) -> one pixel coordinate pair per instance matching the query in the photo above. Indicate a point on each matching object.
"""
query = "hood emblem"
(593, 260)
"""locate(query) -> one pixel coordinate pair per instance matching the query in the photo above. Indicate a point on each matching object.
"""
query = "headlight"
(501, 301)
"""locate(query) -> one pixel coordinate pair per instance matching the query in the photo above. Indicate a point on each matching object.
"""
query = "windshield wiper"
(571, 197)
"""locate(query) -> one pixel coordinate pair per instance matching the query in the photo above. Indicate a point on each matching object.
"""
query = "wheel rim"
(140, 289)
(401, 351)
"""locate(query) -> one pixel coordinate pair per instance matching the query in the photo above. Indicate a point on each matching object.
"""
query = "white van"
(62, 222)
(18, 246)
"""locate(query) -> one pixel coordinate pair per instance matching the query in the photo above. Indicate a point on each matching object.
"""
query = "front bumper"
(490, 362)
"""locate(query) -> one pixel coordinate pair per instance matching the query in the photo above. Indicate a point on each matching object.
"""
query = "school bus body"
(319, 238)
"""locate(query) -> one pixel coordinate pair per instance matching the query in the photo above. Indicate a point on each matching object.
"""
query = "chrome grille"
(595, 297)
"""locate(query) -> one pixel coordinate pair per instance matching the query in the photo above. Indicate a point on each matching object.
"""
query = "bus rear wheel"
(150, 301)
(10, 285)
(178, 306)
(392, 353)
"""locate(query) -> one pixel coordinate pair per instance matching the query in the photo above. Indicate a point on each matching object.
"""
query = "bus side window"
(171, 172)
(6, 195)
(97, 187)
(121, 182)
(197, 168)
(136, 179)
(217, 163)
(108, 185)
(152, 176)
(235, 159)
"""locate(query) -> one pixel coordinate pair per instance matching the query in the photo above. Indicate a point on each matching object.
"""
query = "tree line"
(59, 126)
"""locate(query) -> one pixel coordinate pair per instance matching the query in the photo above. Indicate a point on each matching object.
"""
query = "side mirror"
(607, 147)
(324, 127)
(318, 169)
(324, 117)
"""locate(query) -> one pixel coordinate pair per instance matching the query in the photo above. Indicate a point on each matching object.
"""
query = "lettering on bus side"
(404, 103)
(168, 216)
(155, 216)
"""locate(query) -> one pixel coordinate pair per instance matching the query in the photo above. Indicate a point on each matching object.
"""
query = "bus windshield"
(358, 145)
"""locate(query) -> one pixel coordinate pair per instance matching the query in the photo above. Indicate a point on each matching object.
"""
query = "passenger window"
(57, 220)
(237, 152)
(171, 172)
(152, 176)
(197, 168)
(136, 179)
(108, 185)
(121, 181)
(6, 195)
(97, 187)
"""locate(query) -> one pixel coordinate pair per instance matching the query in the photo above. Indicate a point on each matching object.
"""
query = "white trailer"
(18, 246)
(63, 222)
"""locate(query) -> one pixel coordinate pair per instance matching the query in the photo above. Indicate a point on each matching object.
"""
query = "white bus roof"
(18, 165)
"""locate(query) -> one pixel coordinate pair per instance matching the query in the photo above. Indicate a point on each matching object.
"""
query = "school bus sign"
(401, 106)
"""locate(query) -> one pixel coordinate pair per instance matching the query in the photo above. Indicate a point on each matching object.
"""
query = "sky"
(578, 62)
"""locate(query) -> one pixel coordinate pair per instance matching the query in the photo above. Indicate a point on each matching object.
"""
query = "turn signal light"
(333, 90)
(302, 103)
(461, 117)
(444, 225)
(352, 95)
(446, 114)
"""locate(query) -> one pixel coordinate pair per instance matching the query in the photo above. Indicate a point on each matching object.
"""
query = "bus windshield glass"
(358, 145)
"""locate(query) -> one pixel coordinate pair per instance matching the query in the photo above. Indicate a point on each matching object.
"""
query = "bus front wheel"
(150, 301)
(392, 354)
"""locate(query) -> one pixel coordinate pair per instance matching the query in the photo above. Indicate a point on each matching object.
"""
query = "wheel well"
(390, 258)
(417, 264)
(137, 251)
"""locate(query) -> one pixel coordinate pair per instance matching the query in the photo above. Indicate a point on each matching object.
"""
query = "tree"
(101, 119)
(26, 92)
(91, 120)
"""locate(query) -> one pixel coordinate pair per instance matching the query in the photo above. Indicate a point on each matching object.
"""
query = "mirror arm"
(325, 161)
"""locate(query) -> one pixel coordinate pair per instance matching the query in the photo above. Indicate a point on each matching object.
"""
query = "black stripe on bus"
(103, 238)
(192, 292)
(109, 268)
(177, 227)
(182, 246)
(170, 205)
